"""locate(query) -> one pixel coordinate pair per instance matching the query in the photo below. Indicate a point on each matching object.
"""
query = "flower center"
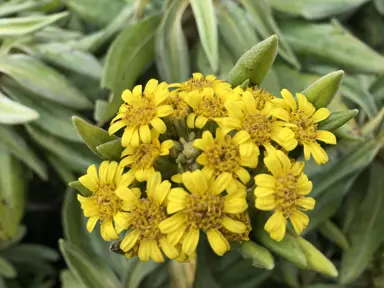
(204, 211)
(141, 113)
(197, 84)
(108, 202)
(144, 156)
(261, 97)
(286, 195)
(180, 107)
(259, 128)
(306, 128)
(238, 237)
(224, 156)
(211, 107)
(146, 217)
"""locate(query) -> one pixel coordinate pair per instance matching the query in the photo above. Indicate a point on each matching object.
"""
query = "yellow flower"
(283, 192)
(222, 154)
(198, 83)
(142, 158)
(103, 204)
(144, 217)
(238, 237)
(140, 111)
(303, 119)
(256, 128)
(180, 107)
(261, 96)
(204, 208)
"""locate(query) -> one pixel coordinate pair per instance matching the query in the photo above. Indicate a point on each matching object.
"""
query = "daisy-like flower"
(103, 204)
(180, 108)
(284, 193)
(238, 237)
(144, 238)
(222, 155)
(140, 111)
(256, 127)
(303, 119)
(207, 105)
(204, 207)
(261, 96)
(198, 83)
(141, 159)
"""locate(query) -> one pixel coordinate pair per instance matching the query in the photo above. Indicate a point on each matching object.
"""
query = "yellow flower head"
(261, 96)
(198, 83)
(303, 119)
(144, 217)
(238, 237)
(205, 208)
(180, 107)
(222, 155)
(103, 204)
(256, 127)
(207, 105)
(283, 192)
(142, 158)
(140, 111)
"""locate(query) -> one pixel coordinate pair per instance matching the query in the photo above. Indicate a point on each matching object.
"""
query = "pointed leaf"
(12, 112)
(379, 4)
(259, 255)
(329, 230)
(255, 63)
(17, 6)
(6, 269)
(374, 124)
(337, 119)
(79, 187)
(111, 150)
(205, 18)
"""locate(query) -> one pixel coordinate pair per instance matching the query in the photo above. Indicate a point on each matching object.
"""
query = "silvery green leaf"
(12, 112)
(331, 231)
(7, 270)
(16, 6)
(379, 4)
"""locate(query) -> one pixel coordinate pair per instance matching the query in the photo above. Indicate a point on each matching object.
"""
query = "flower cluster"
(221, 147)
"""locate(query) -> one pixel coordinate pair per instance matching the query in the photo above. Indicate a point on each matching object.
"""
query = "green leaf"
(374, 124)
(84, 269)
(329, 230)
(337, 119)
(138, 272)
(271, 82)
(340, 47)
(289, 274)
(64, 56)
(111, 150)
(92, 136)
(316, 260)
(127, 57)
(172, 55)
(262, 17)
(316, 9)
(79, 187)
(6, 269)
(17, 6)
(18, 147)
(288, 248)
(54, 118)
(204, 274)
(379, 4)
(19, 235)
(255, 63)
(19, 26)
(15, 113)
(56, 34)
(36, 252)
(205, 18)
(42, 80)
(68, 280)
(235, 29)
(366, 233)
(259, 255)
(321, 92)
(61, 169)
(12, 193)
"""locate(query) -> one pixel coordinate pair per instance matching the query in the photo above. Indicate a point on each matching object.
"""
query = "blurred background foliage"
(60, 58)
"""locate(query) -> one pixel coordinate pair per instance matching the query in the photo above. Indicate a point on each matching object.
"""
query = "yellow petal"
(165, 147)
(299, 221)
(202, 159)
(164, 110)
(218, 242)
(234, 110)
(91, 223)
(307, 151)
(273, 164)
(145, 134)
(243, 175)
(127, 136)
(103, 170)
(201, 121)
(108, 232)
(234, 206)
(127, 96)
(159, 125)
(116, 127)
(178, 195)
(280, 113)
(195, 182)
(303, 186)
(126, 194)
(288, 97)
(125, 180)
(326, 137)
(206, 142)
(247, 148)
(161, 95)
(318, 153)
(154, 252)
(122, 219)
(162, 191)
(172, 223)
(112, 169)
(178, 178)
(130, 240)
(320, 115)
(297, 168)
(190, 241)
(249, 102)
(233, 225)
(266, 203)
(221, 183)
(174, 237)
(276, 226)
(265, 180)
(241, 137)
(137, 91)
(306, 203)
(89, 182)
(263, 191)
(191, 120)
(302, 100)
(284, 160)
(169, 250)
(153, 181)
(92, 172)
(144, 250)
(151, 86)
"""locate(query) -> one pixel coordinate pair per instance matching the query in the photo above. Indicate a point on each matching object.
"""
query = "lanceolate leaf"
(262, 17)
(339, 47)
(6, 269)
(14, 113)
(367, 231)
(42, 80)
(17, 6)
(111, 150)
(171, 46)
(337, 119)
(206, 24)
(331, 231)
